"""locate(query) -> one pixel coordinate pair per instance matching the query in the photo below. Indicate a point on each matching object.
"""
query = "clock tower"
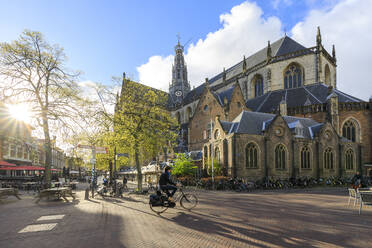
(179, 87)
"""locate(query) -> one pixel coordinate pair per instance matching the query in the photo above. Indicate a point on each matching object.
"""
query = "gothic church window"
(349, 130)
(327, 75)
(280, 157)
(251, 156)
(305, 158)
(349, 159)
(257, 83)
(328, 158)
(293, 77)
(217, 154)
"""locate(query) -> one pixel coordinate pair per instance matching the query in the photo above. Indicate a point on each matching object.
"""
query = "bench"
(365, 199)
(56, 193)
(9, 192)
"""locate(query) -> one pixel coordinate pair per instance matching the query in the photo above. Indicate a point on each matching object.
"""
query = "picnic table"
(58, 193)
(9, 192)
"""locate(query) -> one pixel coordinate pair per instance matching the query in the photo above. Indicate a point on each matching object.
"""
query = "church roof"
(224, 94)
(256, 123)
(280, 47)
(302, 96)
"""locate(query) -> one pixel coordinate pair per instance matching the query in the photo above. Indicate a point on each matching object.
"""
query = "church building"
(276, 113)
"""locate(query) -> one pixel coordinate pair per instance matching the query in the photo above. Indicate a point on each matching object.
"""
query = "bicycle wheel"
(188, 201)
(158, 209)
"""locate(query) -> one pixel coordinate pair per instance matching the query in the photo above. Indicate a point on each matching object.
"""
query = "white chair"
(353, 195)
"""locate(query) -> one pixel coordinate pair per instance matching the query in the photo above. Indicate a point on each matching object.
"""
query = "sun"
(20, 112)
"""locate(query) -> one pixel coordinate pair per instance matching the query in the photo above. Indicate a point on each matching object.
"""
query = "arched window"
(205, 153)
(217, 154)
(178, 116)
(257, 83)
(189, 113)
(293, 77)
(251, 156)
(349, 130)
(327, 75)
(349, 159)
(280, 157)
(305, 158)
(217, 134)
(328, 158)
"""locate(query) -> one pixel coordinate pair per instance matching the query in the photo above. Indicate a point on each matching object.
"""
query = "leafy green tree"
(34, 72)
(143, 123)
(217, 167)
(183, 166)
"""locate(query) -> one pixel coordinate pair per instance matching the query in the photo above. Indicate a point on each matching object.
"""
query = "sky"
(106, 38)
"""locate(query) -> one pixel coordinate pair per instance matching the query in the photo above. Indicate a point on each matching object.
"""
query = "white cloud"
(347, 25)
(157, 72)
(243, 32)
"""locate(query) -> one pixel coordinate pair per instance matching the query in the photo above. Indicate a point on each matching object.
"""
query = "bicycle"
(159, 203)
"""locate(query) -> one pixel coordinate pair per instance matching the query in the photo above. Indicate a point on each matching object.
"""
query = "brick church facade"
(277, 113)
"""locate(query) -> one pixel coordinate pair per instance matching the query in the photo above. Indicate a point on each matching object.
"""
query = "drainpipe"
(234, 171)
(317, 169)
(293, 161)
(339, 160)
(265, 159)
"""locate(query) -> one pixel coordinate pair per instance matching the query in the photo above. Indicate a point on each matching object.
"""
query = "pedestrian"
(357, 180)
(125, 181)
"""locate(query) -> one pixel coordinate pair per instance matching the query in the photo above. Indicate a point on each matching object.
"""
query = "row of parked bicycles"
(236, 184)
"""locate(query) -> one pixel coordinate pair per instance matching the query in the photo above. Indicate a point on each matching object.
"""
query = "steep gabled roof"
(282, 46)
(256, 123)
(302, 96)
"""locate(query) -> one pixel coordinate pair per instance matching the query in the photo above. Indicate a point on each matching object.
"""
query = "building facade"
(286, 79)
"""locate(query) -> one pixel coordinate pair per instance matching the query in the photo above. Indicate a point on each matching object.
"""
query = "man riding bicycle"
(166, 184)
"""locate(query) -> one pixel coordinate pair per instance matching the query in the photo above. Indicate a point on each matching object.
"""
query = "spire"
(334, 52)
(318, 38)
(244, 64)
(268, 58)
(224, 75)
(206, 83)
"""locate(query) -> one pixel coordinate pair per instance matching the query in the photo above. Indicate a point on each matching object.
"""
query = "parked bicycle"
(159, 202)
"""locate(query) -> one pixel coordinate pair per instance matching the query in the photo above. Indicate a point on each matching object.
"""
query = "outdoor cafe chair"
(353, 195)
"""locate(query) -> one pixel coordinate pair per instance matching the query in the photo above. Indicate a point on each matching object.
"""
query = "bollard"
(86, 194)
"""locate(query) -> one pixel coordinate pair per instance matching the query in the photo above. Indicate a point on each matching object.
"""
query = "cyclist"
(166, 184)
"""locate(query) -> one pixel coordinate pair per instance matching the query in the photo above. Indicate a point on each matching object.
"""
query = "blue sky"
(106, 38)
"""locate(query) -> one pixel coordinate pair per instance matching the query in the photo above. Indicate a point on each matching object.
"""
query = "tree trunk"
(48, 150)
(139, 172)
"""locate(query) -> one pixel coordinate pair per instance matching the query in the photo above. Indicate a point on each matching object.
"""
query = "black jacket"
(165, 179)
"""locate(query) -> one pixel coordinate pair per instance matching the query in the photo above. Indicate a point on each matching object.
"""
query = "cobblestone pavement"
(298, 218)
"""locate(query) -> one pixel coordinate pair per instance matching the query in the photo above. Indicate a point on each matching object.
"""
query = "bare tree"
(32, 71)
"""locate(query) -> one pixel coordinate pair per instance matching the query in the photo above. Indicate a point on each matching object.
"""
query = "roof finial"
(334, 52)
(285, 32)
(318, 37)
(244, 64)
(206, 83)
(224, 75)
(268, 58)
(178, 38)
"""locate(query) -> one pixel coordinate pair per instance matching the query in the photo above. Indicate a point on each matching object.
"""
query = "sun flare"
(20, 112)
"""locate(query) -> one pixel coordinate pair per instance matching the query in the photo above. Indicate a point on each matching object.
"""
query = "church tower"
(180, 85)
